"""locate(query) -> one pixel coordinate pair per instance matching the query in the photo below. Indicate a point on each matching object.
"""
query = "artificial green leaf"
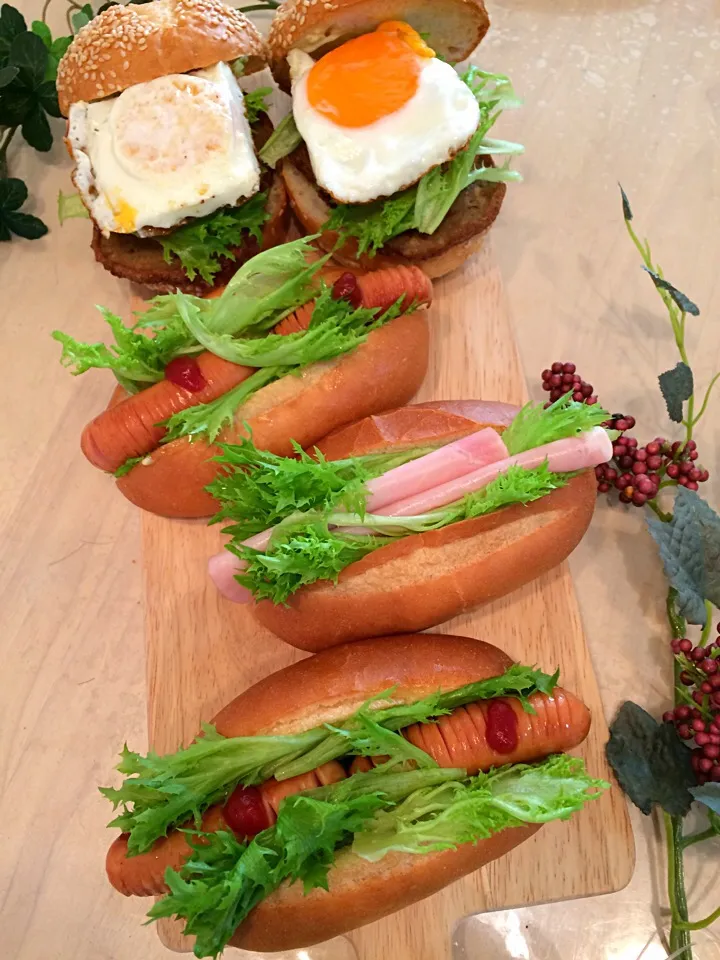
(679, 299)
(7, 75)
(689, 546)
(59, 47)
(650, 761)
(24, 225)
(80, 18)
(29, 54)
(42, 30)
(284, 139)
(13, 193)
(535, 425)
(256, 103)
(47, 98)
(16, 101)
(709, 794)
(36, 129)
(12, 24)
(70, 205)
(676, 386)
(627, 209)
(202, 244)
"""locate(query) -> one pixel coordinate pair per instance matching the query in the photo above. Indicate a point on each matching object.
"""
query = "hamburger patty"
(472, 213)
(141, 259)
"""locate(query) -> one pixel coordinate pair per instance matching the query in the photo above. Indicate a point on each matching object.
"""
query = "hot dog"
(375, 361)
(474, 691)
(461, 522)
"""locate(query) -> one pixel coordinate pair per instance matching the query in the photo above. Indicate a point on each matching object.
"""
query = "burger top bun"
(453, 27)
(132, 44)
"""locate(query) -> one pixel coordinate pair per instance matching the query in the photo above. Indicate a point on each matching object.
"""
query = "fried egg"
(159, 152)
(378, 112)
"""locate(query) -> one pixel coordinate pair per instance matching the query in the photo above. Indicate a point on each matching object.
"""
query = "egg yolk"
(125, 215)
(369, 77)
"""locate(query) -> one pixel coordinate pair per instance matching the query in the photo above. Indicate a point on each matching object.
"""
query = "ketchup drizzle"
(245, 812)
(501, 730)
(185, 372)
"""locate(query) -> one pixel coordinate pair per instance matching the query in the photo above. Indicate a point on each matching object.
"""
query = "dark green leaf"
(680, 300)
(16, 102)
(7, 75)
(12, 24)
(689, 547)
(676, 386)
(25, 225)
(36, 129)
(42, 30)
(47, 97)
(5, 234)
(59, 47)
(13, 194)
(709, 794)
(30, 55)
(627, 209)
(650, 761)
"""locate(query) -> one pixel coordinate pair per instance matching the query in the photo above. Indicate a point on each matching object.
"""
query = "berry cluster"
(699, 718)
(635, 471)
(561, 379)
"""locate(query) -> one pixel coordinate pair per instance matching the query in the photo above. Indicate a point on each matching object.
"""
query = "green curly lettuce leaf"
(535, 425)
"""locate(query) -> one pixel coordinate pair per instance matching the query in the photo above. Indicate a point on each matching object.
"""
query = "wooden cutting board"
(203, 650)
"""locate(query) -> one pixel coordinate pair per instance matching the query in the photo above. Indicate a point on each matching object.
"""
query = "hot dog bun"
(326, 689)
(382, 373)
(425, 579)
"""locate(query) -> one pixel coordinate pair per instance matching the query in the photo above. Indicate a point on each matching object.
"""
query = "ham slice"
(447, 463)
(223, 568)
(563, 456)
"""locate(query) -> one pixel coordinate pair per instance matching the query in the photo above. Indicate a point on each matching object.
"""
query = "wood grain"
(203, 650)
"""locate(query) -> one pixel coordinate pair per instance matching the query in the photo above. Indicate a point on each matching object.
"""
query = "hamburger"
(387, 148)
(164, 142)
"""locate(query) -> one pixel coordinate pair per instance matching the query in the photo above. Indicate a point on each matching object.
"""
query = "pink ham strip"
(447, 463)
(563, 456)
(223, 568)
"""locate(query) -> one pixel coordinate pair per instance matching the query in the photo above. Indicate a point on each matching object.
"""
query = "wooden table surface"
(614, 90)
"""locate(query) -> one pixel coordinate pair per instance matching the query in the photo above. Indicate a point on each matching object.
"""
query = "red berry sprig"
(635, 471)
(699, 719)
(561, 378)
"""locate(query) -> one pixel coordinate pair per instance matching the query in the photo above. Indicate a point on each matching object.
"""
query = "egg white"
(360, 164)
(160, 152)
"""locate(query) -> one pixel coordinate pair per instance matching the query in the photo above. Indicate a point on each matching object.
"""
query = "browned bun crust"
(453, 27)
(461, 233)
(425, 579)
(362, 892)
(440, 421)
(141, 259)
(384, 372)
(125, 45)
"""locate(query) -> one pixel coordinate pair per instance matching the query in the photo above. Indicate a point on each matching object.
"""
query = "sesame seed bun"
(453, 27)
(132, 44)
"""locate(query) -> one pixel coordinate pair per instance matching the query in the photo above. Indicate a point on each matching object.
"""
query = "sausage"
(459, 739)
(130, 427)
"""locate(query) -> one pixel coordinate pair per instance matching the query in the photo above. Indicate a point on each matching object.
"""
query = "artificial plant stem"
(665, 517)
(708, 624)
(679, 936)
(705, 399)
(698, 837)
(7, 137)
(699, 924)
